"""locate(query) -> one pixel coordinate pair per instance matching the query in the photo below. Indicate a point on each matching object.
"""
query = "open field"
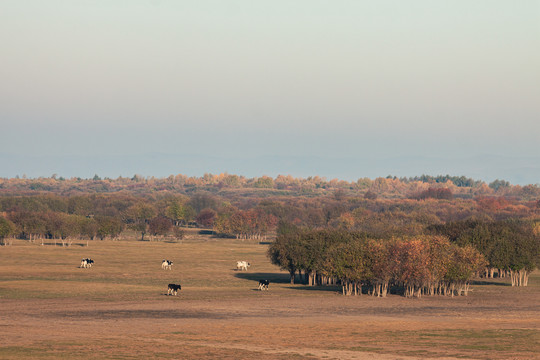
(118, 309)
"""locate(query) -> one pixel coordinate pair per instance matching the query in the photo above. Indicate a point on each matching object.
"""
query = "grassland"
(118, 309)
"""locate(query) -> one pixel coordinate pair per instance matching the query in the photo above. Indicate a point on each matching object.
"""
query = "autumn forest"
(417, 236)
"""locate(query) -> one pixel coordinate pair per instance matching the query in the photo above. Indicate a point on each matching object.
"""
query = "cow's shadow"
(275, 278)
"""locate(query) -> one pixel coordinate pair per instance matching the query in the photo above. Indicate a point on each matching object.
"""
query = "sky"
(340, 89)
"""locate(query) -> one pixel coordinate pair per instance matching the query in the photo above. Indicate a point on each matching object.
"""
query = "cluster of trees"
(6, 229)
(35, 225)
(439, 260)
(414, 265)
(107, 215)
(511, 247)
(245, 224)
(460, 181)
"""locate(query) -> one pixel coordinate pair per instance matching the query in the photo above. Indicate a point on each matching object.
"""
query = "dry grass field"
(119, 309)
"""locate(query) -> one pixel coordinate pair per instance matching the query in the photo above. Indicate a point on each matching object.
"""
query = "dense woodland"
(466, 225)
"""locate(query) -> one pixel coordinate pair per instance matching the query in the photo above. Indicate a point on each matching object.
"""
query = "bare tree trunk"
(513, 277)
(466, 289)
(523, 277)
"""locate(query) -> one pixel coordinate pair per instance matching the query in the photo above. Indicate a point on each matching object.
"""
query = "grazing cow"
(173, 289)
(242, 265)
(87, 263)
(263, 284)
(166, 264)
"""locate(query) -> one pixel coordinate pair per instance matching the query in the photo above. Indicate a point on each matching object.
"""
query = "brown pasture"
(119, 309)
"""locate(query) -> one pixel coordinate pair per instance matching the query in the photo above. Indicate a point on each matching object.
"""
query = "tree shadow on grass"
(330, 288)
(275, 278)
(487, 282)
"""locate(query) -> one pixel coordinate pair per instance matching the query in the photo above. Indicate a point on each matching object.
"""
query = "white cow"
(166, 264)
(242, 265)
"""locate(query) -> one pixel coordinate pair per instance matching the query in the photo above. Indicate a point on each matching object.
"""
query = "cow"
(166, 264)
(263, 284)
(86, 263)
(242, 265)
(173, 289)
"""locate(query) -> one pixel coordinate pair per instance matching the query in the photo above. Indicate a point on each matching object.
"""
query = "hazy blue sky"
(343, 89)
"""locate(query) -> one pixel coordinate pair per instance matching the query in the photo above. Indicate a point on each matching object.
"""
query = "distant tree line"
(252, 214)
(459, 181)
(389, 187)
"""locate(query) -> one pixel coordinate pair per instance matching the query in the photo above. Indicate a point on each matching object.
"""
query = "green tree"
(139, 215)
(348, 262)
(89, 228)
(381, 269)
(7, 228)
(285, 250)
(265, 182)
(109, 227)
(180, 212)
(497, 184)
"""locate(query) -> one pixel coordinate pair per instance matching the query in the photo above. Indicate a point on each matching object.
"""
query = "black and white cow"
(173, 289)
(166, 264)
(263, 284)
(86, 263)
